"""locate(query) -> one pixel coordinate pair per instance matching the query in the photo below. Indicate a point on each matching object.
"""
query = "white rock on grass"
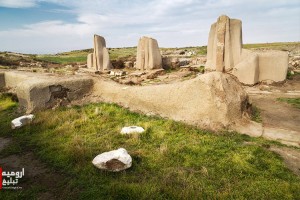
(21, 121)
(116, 160)
(132, 129)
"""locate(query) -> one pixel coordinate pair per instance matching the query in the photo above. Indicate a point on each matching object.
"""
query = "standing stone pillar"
(101, 60)
(90, 58)
(224, 47)
(148, 54)
(225, 54)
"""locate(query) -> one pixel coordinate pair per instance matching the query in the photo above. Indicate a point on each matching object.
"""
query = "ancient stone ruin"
(99, 60)
(212, 101)
(225, 54)
(90, 59)
(148, 54)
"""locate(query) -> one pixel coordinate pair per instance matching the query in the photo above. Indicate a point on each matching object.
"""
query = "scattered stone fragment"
(155, 73)
(115, 161)
(137, 74)
(21, 121)
(132, 129)
(131, 81)
(117, 73)
(129, 64)
(173, 62)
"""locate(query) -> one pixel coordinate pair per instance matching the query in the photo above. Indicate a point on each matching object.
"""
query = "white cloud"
(171, 22)
(18, 3)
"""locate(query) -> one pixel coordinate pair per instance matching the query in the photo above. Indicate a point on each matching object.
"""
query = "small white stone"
(21, 121)
(116, 160)
(132, 129)
(112, 73)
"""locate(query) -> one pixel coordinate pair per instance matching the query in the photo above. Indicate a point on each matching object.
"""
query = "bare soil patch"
(290, 156)
(280, 119)
(4, 142)
(37, 174)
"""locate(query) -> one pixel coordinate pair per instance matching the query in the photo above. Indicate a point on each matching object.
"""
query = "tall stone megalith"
(101, 60)
(225, 54)
(224, 44)
(148, 54)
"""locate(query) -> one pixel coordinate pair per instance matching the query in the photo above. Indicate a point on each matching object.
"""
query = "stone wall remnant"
(148, 54)
(41, 91)
(101, 60)
(211, 101)
(225, 54)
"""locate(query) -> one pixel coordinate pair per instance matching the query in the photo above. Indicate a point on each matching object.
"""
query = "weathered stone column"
(90, 58)
(224, 47)
(101, 60)
(148, 54)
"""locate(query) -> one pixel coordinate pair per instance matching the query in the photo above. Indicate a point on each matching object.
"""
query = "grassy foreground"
(171, 160)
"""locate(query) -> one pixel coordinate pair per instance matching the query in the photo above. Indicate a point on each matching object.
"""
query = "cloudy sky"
(51, 26)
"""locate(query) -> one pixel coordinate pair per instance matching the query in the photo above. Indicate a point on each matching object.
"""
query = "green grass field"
(171, 160)
(80, 56)
(275, 45)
